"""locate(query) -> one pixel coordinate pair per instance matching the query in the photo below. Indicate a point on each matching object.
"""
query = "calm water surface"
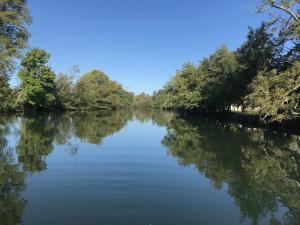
(142, 168)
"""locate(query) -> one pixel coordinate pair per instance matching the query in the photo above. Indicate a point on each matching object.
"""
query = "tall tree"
(218, 80)
(258, 53)
(183, 88)
(95, 90)
(14, 18)
(64, 90)
(37, 80)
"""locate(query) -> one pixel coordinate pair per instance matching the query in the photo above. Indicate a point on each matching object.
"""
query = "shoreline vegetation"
(291, 126)
(258, 83)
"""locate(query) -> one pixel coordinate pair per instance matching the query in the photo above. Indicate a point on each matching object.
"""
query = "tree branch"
(287, 10)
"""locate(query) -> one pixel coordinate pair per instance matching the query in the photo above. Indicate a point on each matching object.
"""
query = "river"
(142, 168)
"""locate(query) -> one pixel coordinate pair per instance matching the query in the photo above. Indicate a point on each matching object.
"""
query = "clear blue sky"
(139, 43)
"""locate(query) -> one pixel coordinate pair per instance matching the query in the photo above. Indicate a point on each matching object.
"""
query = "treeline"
(94, 90)
(40, 87)
(262, 76)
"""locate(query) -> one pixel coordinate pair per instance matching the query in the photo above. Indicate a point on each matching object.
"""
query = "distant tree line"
(262, 76)
(143, 101)
(41, 89)
(94, 90)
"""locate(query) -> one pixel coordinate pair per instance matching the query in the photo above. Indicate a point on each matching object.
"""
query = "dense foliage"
(262, 77)
(37, 79)
(96, 90)
(276, 94)
(143, 101)
(14, 17)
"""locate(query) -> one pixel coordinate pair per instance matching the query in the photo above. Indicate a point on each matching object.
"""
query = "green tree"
(218, 80)
(95, 90)
(209, 87)
(14, 16)
(64, 87)
(64, 91)
(162, 98)
(181, 92)
(276, 95)
(38, 87)
(258, 53)
(5, 92)
(143, 101)
(183, 89)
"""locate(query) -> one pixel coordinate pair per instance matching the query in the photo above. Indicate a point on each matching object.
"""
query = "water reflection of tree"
(92, 127)
(36, 138)
(63, 128)
(159, 118)
(12, 184)
(261, 168)
(38, 133)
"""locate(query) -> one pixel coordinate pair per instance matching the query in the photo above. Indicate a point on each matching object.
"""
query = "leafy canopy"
(95, 90)
(14, 18)
(37, 80)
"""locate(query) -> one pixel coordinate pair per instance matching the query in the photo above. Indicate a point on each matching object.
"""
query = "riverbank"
(249, 120)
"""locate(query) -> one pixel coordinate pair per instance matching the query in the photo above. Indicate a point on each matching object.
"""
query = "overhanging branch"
(285, 9)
